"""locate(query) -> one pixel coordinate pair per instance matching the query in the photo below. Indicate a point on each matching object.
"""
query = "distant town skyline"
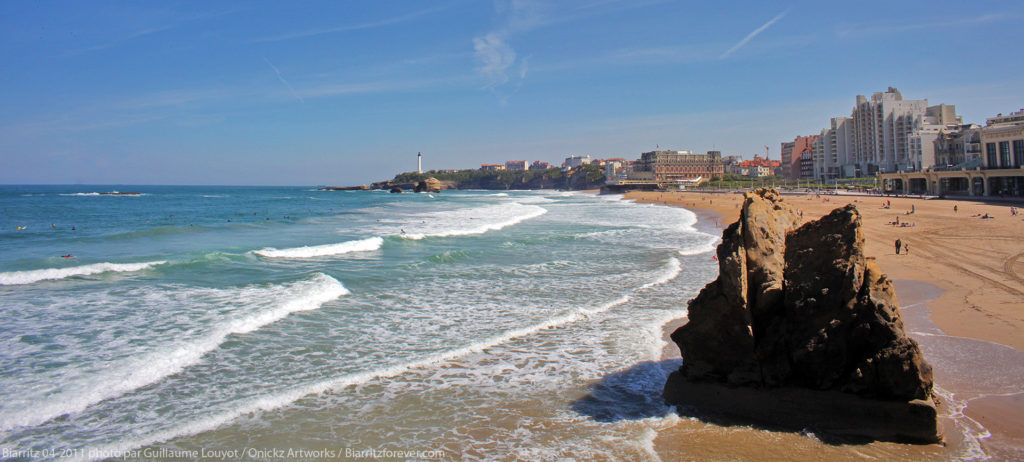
(349, 92)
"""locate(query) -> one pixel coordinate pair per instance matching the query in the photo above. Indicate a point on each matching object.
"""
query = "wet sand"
(961, 291)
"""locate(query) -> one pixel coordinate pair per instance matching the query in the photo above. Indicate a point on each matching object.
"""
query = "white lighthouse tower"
(419, 162)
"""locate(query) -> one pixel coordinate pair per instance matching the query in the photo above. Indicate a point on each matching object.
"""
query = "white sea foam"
(278, 400)
(668, 273)
(464, 222)
(362, 245)
(535, 200)
(136, 372)
(110, 194)
(706, 247)
(28, 277)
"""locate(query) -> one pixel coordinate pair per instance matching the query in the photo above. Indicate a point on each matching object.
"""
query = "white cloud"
(283, 81)
(495, 57)
(886, 29)
(751, 35)
(360, 26)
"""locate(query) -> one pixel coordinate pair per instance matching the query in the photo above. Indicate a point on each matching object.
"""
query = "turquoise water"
(234, 318)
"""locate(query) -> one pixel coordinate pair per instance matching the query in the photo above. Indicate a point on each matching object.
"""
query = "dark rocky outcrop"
(802, 308)
(361, 187)
(396, 190)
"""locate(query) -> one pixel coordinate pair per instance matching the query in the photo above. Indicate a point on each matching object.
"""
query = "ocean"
(253, 321)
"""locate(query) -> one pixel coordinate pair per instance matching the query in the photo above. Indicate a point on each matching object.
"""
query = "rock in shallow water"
(801, 307)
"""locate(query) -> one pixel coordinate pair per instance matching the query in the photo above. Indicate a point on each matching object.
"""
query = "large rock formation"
(430, 185)
(801, 307)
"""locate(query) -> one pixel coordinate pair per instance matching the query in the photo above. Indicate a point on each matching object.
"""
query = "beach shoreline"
(927, 286)
(982, 282)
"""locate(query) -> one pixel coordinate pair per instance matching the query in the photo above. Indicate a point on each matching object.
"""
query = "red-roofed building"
(759, 166)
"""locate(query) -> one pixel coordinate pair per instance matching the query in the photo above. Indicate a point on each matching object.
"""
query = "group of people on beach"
(905, 246)
(903, 224)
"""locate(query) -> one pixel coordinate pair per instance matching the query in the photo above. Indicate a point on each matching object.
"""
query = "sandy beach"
(979, 263)
(975, 269)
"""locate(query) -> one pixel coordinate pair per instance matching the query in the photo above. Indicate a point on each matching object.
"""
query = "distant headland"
(580, 177)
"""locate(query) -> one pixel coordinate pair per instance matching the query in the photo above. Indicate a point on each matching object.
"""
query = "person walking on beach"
(898, 245)
(906, 248)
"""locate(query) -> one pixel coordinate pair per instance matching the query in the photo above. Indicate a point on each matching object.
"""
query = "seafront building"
(971, 160)
(791, 153)
(884, 133)
(807, 164)
(833, 149)
(958, 146)
(666, 167)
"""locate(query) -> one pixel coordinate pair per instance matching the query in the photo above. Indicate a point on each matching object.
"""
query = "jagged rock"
(361, 187)
(396, 190)
(431, 185)
(800, 307)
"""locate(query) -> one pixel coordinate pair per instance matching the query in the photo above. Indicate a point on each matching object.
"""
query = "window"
(990, 154)
(1004, 154)
(1018, 153)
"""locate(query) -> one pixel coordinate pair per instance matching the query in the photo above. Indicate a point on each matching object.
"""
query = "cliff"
(578, 178)
(802, 312)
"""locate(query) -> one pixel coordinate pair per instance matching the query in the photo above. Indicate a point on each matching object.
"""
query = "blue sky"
(347, 92)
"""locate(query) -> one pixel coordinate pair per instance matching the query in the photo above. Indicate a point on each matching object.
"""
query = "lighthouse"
(419, 162)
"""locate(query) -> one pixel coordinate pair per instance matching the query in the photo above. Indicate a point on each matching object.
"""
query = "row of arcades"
(967, 183)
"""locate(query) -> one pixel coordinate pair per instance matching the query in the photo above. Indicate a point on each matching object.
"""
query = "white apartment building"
(883, 134)
(575, 161)
(832, 152)
(881, 127)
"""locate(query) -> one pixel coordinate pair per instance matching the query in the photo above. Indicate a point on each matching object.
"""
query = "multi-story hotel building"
(832, 149)
(881, 127)
(884, 133)
(672, 166)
